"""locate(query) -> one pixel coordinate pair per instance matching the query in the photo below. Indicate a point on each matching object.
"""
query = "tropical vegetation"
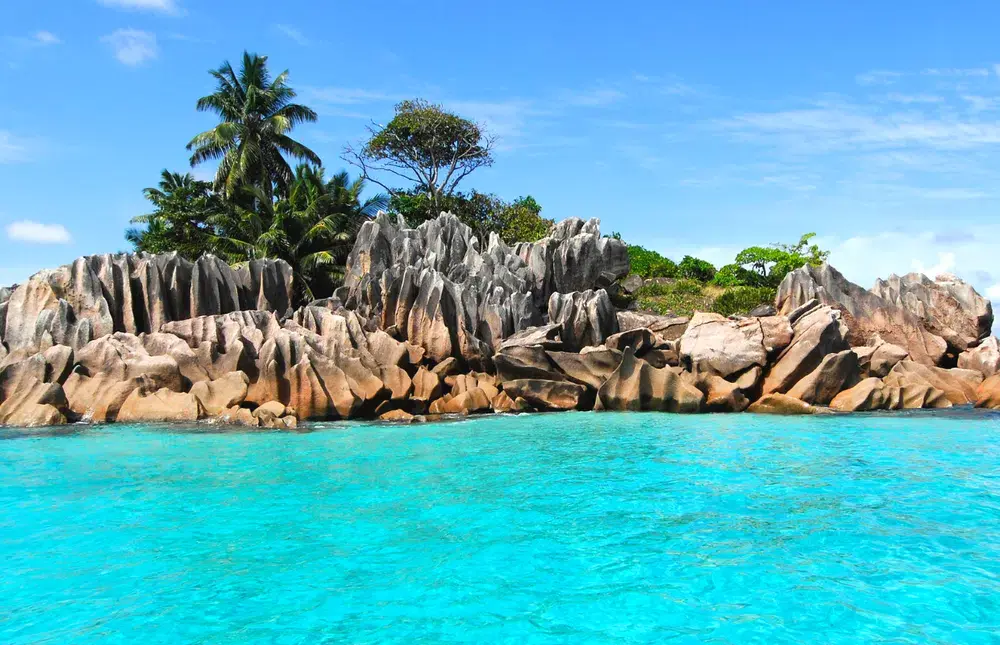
(260, 205)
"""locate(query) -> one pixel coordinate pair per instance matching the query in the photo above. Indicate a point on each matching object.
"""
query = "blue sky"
(688, 127)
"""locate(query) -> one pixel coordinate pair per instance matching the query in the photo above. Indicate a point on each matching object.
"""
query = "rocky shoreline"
(428, 323)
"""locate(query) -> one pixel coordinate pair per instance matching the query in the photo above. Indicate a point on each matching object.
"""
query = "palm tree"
(313, 228)
(256, 114)
(183, 208)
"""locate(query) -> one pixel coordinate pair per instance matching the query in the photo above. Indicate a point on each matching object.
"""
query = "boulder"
(34, 404)
(468, 402)
(526, 362)
(720, 394)
(123, 357)
(665, 327)
(717, 345)
(641, 340)
(546, 336)
(397, 416)
(777, 332)
(637, 385)
(818, 331)
(865, 314)
(426, 386)
(867, 395)
(988, 393)
(835, 373)
(221, 394)
(958, 385)
(586, 318)
(947, 306)
(50, 366)
(591, 368)
(879, 358)
(98, 398)
(549, 395)
(984, 358)
(780, 404)
(143, 406)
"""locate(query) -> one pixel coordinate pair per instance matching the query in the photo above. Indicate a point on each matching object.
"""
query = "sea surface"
(564, 528)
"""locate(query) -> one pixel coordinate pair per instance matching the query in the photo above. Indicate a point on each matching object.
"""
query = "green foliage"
(256, 116)
(768, 266)
(741, 300)
(426, 145)
(695, 269)
(650, 264)
(678, 297)
(734, 275)
(517, 221)
(183, 208)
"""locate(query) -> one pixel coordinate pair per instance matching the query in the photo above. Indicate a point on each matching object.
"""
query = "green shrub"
(740, 300)
(734, 275)
(650, 264)
(695, 269)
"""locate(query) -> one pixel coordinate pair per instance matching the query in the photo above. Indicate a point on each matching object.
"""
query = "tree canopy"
(427, 147)
(256, 116)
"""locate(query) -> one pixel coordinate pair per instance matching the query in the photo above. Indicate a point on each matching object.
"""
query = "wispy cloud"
(38, 233)
(294, 34)
(961, 72)
(14, 149)
(46, 38)
(598, 97)
(168, 7)
(132, 47)
(908, 99)
(349, 95)
(878, 77)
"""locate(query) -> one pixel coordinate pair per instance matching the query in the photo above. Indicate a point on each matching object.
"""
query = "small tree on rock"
(424, 145)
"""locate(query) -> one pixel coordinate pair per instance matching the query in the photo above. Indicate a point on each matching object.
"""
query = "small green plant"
(741, 300)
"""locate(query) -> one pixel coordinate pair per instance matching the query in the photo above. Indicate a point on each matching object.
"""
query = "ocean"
(558, 528)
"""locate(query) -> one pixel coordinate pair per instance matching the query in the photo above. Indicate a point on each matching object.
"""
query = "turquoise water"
(578, 527)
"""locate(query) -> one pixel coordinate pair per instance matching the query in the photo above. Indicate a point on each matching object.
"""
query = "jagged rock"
(123, 357)
(780, 404)
(549, 395)
(34, 404)
(276, 415)
(585, 317)
(636, 385)
(501, 402)
(51, 366)
(445, 368)
(546, 336)
(818, 331)
(218, 395)
(527, 362)
(835, 373)
(144, 405)
(426, 386)
(988, 393)
(865, 313)
(239, 416)
(398, 382)
(878, 359)
(947, 306)
(136, 293)
(98, 398)
(957, 384)
(984, 358)
(641, 340)
(720, 346)
(763, 311)
(666, 327)
(591, 369)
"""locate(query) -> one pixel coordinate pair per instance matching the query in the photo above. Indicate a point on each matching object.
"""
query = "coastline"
(429, 323)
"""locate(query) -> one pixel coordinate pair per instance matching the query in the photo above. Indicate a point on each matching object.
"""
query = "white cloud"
(132, 46)
(897, 97)
(878, 77)
(12, 149)
(46, 38)
(993, 292)
(169, 7)
(945, 264)
(973, 71)
(29, 231)
(294, 34)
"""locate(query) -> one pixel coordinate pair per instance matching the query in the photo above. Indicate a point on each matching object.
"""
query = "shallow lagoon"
(577, 527)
